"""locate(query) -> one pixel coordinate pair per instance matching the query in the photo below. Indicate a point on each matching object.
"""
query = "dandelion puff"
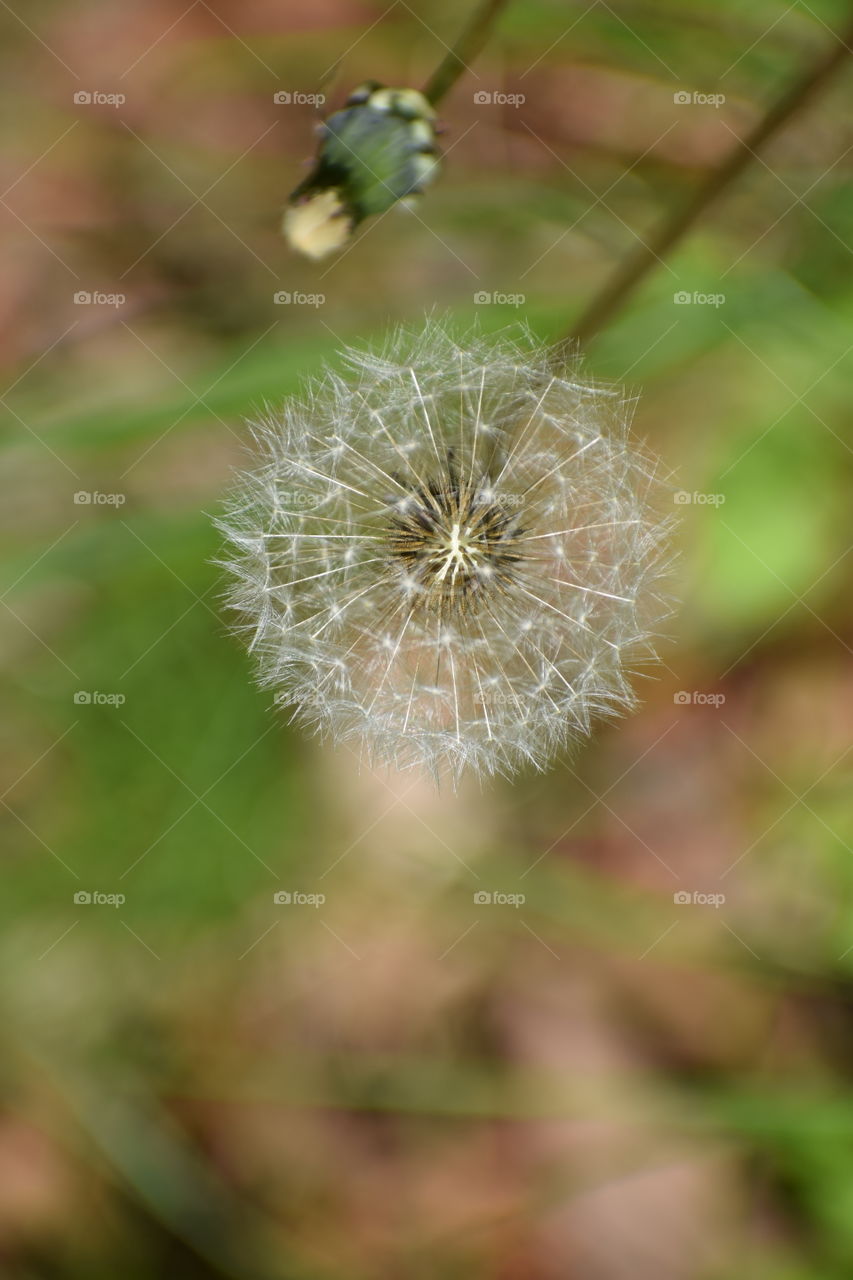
(451, 556)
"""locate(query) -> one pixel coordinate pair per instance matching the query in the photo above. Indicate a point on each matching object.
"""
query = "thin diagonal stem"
(627, 278)
(463, 53)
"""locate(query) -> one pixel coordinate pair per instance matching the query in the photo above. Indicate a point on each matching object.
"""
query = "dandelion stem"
(627, 277)
(468, 46)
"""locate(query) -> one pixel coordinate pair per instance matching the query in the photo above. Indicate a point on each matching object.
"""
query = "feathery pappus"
(452, 556)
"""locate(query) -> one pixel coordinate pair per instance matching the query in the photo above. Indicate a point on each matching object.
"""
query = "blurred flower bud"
(378, 149)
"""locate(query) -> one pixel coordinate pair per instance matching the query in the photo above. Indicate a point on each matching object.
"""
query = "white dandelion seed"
(452, 557)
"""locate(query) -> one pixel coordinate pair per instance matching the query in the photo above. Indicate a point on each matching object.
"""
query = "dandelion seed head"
(451, 556)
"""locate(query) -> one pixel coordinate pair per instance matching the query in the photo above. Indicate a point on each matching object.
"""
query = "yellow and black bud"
(378, 149)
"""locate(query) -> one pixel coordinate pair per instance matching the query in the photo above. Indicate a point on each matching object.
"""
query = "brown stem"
(464, 52)
(646, 256)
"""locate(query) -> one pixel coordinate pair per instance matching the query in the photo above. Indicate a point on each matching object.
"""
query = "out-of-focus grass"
(212, 1084)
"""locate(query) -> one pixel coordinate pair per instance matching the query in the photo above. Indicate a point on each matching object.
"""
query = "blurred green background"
(604, 1081)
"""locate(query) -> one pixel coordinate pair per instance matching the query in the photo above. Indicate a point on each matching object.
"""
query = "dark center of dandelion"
(455, 540)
